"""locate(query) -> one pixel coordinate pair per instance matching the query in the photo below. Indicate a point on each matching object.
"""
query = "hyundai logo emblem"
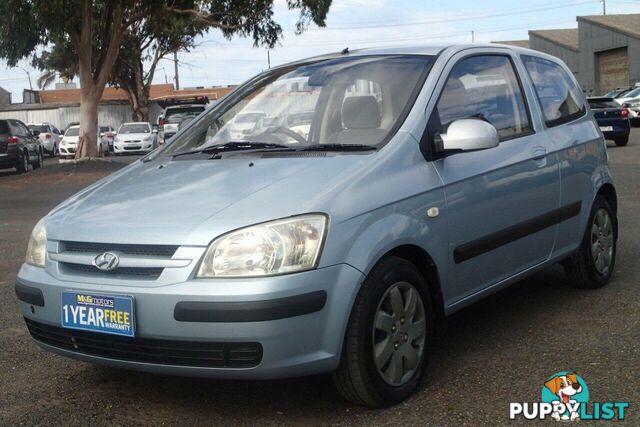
(107, 261)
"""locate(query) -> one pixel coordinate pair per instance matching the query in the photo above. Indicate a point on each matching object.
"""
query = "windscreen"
(134, 128)
(343, 101)
(4, 127)
(74, 131)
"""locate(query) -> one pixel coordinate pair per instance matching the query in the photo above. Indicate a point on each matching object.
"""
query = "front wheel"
(592, 266)
(388, 338)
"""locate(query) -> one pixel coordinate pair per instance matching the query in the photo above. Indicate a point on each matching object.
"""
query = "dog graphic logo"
(566, 392)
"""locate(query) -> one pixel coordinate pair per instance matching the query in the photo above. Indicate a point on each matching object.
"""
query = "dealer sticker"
(98, 313)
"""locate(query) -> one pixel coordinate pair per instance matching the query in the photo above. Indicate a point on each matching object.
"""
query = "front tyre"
(389, 336)
(592, 266)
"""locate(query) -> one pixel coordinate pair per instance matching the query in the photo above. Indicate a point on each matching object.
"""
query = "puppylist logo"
(565, 397)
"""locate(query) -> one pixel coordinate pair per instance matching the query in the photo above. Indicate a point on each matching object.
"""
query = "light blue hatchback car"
(325, 216)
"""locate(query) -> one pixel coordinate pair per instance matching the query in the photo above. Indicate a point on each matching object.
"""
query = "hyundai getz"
(428, 178)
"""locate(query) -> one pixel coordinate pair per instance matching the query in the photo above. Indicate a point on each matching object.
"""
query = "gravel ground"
(498, 351)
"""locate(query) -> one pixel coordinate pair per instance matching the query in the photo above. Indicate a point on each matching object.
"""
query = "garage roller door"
(613, 69)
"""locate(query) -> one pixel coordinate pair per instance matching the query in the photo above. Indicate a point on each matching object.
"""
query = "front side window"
(484, 88)
(343, 101)
(559, 96)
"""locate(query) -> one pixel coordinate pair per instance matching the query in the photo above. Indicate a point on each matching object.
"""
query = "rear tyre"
(388, 338)
(39, 160)
(592, 266)
(23, 163)
(622, 141)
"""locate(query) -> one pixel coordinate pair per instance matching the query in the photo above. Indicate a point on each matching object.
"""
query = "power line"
(457, 18)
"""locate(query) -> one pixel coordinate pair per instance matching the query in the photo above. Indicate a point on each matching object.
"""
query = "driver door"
(500, 201)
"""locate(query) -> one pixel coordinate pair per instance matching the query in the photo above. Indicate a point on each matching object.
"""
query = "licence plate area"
(606, 128)
(107, 314)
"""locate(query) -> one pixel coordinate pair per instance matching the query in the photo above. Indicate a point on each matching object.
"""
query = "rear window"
(603, 103)
(4, 126)
(39, 128)
(559, 96)
(189, 111)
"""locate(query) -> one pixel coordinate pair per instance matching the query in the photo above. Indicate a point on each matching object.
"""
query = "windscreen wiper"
(338, 147)
(234, 146)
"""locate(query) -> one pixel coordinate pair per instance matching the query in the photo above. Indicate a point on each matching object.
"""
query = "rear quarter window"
(559, 97)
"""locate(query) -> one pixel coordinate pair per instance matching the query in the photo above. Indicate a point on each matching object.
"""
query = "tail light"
(12, 140)
(624, 113)
(47, 135)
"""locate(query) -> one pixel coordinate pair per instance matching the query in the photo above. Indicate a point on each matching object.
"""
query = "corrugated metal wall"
(112, 115)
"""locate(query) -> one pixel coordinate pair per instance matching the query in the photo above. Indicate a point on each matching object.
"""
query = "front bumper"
(297, 320)
(137, 147)
(67, 150)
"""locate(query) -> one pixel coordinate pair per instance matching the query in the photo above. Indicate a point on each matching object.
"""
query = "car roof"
(426, 50)
(136, 123)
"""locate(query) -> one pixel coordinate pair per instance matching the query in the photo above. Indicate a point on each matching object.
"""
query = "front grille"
(139, 273)
(98, 248)
(133, 148)
(164, 352)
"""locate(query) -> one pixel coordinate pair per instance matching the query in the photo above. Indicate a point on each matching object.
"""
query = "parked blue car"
(422, 180)
(612, 118)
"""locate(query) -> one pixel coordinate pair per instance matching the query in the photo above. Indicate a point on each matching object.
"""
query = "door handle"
(539, 153)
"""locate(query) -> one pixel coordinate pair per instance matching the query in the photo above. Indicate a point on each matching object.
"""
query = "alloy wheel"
(399, 334)
(602, 241)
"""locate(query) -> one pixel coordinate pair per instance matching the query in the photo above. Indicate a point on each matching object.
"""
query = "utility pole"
(473, 37)
(268, 58)
(175, 64)
(604, 7)
(28, 75)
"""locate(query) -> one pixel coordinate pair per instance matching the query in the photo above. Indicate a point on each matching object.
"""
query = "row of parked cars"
(22, 144)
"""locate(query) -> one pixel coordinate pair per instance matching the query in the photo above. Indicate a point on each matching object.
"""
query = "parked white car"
(245, 123)
(49, 135)
(69, 142)
(135, 137)
(629, 96)
(175, 116)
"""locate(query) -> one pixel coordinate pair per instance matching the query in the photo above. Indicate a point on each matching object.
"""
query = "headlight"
(37, 248)
(276, 247)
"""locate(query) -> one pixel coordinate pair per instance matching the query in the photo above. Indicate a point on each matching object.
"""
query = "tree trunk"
(139, 100)
(88, 141)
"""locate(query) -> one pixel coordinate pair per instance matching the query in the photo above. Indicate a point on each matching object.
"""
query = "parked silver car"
(428, 179)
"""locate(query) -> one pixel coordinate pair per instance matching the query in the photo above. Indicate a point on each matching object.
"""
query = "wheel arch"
(608, 191)
(423, 261)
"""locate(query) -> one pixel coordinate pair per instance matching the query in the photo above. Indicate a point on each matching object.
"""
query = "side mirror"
(468, 135)
(35, 132)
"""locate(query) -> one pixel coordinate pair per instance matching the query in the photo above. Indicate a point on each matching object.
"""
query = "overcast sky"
(361, 23)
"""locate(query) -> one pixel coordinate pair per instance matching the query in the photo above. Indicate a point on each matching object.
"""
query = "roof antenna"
(344, 51)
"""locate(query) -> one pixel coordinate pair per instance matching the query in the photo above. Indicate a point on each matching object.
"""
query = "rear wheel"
(39, 160)
(388, 338)
(622, 141)
(23, 163)
(592, 266)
